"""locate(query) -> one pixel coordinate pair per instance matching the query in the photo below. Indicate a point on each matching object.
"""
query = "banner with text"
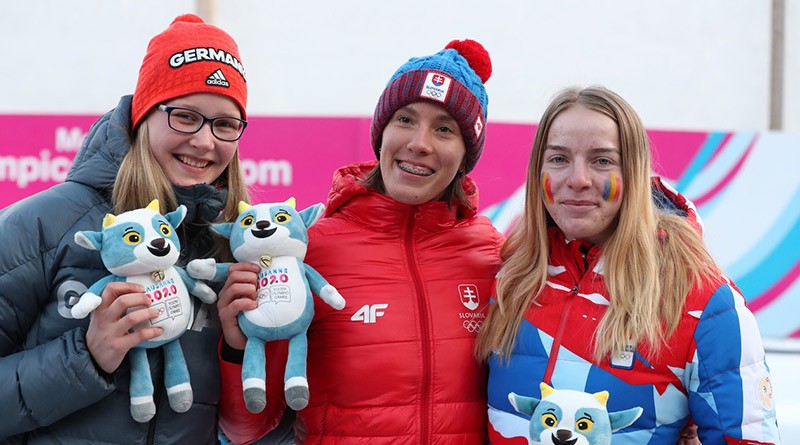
(750, 203)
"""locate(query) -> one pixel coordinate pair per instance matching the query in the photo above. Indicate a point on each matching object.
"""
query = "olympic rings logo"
(434, 93)
(472, 325)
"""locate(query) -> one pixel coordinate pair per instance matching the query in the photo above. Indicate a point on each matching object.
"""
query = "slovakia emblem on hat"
(436, 87)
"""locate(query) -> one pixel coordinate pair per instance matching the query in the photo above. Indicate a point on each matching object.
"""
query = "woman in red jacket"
(402, 242)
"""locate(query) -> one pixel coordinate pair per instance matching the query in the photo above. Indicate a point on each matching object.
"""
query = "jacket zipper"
(424, 331)
(562, 327)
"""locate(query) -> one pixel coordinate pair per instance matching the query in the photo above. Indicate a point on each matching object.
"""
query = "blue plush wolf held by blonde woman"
(568, 417)
(274, 236)
(141, 246)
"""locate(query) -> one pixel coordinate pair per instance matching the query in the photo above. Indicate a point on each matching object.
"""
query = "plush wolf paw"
(204, 293)
(296, 393)
(255, 394)
(180, 399)
(202, 269)
(330, 295)
(87, 303)
(143, 410)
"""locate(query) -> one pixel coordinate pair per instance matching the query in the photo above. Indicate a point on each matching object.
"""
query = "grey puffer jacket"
(51, 390)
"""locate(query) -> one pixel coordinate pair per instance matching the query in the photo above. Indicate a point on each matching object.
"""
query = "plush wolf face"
(566, 417)
(136, 242)
(276, 229)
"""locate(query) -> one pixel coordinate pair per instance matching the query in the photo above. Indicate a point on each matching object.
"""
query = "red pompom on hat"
(476, 55)
(189, 57)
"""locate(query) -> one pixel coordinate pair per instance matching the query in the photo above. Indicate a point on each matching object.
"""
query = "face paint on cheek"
(612, 189)
(547, 191)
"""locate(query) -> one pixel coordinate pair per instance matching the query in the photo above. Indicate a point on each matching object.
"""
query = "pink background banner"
(281, 156)
(729, 175)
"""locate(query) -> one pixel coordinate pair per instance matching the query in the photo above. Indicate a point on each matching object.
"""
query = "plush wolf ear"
(154, 206)
(546, 389)
(223, 229)
(524, 405)
(622, 419)
(176, 216)
(601, 397)
(88, 239)
(312, 214)
(243, 206)
(108, 220)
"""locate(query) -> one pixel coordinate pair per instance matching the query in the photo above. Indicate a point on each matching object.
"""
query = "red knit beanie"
(189, 57)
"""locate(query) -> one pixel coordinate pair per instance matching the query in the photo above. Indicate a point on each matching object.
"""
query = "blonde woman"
(601, 289)
(176, 140)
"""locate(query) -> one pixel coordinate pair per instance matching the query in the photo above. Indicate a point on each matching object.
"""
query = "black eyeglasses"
(184, 120)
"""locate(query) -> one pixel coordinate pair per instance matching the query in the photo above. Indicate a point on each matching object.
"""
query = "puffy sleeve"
(730, 390)
(41, 383)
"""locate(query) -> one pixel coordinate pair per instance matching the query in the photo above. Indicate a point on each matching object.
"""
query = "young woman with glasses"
(175, 140)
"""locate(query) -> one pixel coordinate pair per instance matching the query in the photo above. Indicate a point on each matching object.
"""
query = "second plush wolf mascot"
(274, 236)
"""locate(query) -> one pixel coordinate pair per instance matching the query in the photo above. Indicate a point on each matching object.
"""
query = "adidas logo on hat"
(217, 78)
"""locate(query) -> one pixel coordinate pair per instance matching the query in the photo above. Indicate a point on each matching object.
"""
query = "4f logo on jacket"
(369, 313)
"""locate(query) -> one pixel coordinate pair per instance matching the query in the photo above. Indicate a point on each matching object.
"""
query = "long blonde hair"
(651, 261)
(141, 179)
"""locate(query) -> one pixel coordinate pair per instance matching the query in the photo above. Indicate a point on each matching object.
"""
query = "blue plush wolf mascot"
(141, 246)
(274, 236)
(572, 417)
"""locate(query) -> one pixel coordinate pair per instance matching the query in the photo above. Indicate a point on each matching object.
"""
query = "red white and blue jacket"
(396, 365)
(712, 369)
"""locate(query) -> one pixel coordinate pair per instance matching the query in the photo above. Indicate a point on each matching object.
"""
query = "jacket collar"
(203, 202)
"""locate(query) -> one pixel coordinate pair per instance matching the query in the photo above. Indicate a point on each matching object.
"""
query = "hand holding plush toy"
(275, 237)
(141, 246)
(572, 417)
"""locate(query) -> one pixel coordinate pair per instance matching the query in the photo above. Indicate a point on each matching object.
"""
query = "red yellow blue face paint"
(612, 189)
(547, 188)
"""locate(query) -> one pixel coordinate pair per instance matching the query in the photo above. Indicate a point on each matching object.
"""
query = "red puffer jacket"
(396, 364)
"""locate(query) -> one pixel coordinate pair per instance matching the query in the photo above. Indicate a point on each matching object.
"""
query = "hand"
(689, 436)
(237, 295)
(109, 336)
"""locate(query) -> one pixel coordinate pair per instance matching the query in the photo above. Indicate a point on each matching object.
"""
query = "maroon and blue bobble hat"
(189, 57)
(453, 78)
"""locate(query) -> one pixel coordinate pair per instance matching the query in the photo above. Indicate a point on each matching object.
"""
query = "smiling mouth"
(163, 251)
(414, 170)
(192, 162)
(264, 233)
